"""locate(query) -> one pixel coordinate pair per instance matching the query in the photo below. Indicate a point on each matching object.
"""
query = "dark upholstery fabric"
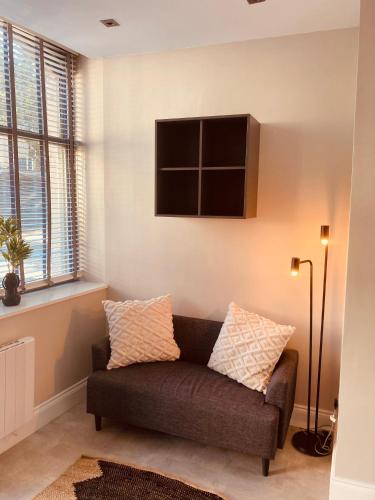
(187, 400)
(101, 352)
(196, 338)
(281, 390)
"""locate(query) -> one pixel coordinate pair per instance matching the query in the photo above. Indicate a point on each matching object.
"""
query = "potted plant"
(14, 249)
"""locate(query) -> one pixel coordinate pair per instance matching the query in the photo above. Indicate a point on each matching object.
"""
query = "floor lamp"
(304, 440)
(315, 443)
(324, 439)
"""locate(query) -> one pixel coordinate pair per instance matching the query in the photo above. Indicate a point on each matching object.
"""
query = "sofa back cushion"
(196, 338)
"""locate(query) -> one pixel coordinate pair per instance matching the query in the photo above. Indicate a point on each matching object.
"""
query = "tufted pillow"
(140, 331)
(248, 348)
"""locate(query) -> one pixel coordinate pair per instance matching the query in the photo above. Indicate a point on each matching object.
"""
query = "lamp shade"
(294, 268)
(324, 235)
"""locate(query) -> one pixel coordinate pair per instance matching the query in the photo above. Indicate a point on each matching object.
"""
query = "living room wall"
(302, 90)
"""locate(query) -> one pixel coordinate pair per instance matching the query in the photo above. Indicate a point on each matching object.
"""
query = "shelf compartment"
(177, 192)
(177, 144)
(224, 168)
(224, 141)
(172, 169)
(223, 193)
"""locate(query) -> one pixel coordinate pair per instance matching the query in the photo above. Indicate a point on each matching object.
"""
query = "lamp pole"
(310, 345)
(324, 238)
(302, 440)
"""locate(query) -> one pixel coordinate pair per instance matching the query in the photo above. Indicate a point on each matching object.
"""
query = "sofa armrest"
(281, 390)
(101, 352)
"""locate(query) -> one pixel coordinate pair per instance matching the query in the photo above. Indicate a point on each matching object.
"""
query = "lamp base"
(311, 444)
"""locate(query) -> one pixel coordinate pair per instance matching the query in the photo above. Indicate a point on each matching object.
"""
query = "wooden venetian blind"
(38, 153)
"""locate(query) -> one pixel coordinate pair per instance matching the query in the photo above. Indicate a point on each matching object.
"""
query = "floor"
(30, 466)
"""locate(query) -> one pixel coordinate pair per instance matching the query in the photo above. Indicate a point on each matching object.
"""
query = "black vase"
(10, 283)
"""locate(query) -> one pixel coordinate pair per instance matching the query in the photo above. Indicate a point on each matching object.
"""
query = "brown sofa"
(186, 398)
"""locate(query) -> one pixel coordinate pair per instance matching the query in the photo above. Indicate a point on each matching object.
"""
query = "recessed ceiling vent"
(110, 23)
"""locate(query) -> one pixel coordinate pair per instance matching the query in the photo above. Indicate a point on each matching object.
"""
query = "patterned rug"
(97, 479)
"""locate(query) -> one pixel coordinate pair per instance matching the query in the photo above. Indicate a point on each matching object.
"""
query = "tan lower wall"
(63, 333)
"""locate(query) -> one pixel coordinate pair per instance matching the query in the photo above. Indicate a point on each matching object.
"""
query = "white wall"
(301, 88)
(91, 189)
(354, 471)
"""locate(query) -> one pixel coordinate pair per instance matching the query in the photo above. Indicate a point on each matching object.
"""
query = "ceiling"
(158, 25)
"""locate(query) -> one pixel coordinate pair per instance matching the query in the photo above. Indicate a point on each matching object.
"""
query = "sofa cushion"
(187, 400)
(248, 347)
(140, 331)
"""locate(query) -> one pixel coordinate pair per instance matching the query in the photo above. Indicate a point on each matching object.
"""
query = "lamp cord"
(327, 449)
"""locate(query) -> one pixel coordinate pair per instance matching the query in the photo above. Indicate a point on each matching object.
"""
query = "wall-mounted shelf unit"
(207, 167)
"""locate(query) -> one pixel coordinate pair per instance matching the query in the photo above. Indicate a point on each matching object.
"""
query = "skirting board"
(65, 400)
(46, 412)
(345, 489)
(299, 417)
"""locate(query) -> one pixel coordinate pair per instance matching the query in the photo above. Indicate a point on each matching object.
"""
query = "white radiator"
(16, 384)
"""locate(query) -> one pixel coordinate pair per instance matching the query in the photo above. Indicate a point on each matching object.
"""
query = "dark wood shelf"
(224, 168)
(178, 143)
(177, 169)
(217, 182)
(177, 192)
(207, 167)
(201, 216)
(181, 169)
(225, 141)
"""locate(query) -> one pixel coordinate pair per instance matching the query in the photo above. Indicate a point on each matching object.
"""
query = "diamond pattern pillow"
(140, 331)
(248, 348)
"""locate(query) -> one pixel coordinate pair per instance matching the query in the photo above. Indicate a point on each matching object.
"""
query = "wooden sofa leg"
(265, 466)
(98, 423)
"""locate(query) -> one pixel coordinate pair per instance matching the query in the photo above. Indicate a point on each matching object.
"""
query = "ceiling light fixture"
(110, 23)
(255, 1)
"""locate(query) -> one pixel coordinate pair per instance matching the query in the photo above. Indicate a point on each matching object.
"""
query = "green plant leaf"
(8, 228)
(17, 250)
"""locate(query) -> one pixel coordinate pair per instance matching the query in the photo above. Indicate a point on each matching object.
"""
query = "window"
(38, 154)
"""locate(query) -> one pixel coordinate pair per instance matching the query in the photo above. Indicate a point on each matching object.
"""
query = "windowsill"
(53, 295)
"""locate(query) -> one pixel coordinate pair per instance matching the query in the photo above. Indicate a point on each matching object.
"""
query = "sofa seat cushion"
(187, 400)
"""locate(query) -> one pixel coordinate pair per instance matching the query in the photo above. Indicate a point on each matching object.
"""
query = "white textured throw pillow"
(140, 331)
(249, 347)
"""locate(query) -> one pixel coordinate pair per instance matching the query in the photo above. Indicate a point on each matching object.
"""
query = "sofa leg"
(265, 466)
(98, 423)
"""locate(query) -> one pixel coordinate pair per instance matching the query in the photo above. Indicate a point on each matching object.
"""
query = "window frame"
(13, 133)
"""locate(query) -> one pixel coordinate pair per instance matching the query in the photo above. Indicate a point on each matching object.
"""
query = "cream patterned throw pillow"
(249, 347)
(140, 331)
